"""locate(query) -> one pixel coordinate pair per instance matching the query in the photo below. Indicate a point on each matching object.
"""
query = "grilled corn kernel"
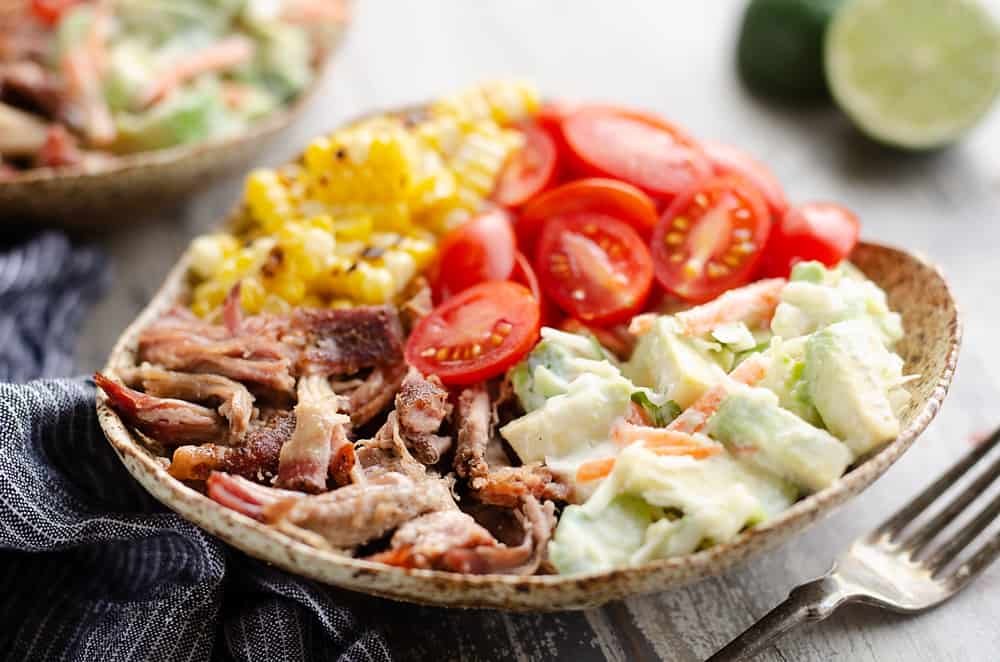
(252, 295)
(208, 252)
(358, 227)
(269, 199)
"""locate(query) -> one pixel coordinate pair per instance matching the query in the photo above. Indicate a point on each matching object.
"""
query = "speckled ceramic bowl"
(915, 288)
(97, 196)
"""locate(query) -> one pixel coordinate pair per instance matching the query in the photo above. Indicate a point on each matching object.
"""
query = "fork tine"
(974, 566)
(920, 538)
(948, 551)
(897, 522)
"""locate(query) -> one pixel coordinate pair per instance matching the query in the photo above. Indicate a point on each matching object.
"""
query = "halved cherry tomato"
(530, 170)
(524, 274)
(711, 238)
(593, 266)
(636, 147)
(816, 231)
(595, 194)
(729, 160)
(552, 113)
(480, 249)
(476, 334)
(50, 11)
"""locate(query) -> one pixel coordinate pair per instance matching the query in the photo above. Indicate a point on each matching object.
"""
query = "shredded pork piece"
(375, 393)
(474, 418)
(452, 540)
(387, 452)
(319, 436)
(421, 407)
(503, 486)
(245, 496)
(418, 306)
(343, 518)
(235, 401)
(256, 458)
(506, 486)
(344, 341)
(169, 421)
(181, 341)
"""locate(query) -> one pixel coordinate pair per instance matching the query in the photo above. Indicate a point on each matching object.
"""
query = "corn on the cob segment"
(356, 218)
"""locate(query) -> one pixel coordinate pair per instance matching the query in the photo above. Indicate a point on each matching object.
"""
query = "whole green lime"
(780, 49)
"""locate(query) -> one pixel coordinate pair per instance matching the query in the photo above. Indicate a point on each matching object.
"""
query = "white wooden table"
(677, 58)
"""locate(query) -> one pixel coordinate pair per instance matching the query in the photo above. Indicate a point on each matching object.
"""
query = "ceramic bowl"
(915, 288)
(97, 196)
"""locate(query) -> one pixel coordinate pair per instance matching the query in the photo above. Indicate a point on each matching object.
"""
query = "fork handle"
(809, 603)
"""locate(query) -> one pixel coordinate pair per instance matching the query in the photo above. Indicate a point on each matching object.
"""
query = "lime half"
(913, 73)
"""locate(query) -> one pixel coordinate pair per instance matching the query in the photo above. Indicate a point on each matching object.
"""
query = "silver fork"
(903, 573)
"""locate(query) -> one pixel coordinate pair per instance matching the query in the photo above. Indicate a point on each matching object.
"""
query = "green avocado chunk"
(757, 430)
(850, 376)
(670, 363)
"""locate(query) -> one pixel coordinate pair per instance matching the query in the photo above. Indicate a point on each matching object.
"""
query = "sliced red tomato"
(593, 266)
(815, 231)
(479, 250)
(711, 238)
(636, 147)
(477, 334)
(50, 11)
(524, 274)
(729, 160)
(595, 194)
(529, 171)
(552, 113)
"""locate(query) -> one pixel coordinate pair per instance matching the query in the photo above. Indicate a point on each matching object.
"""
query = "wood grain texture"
(676, 58)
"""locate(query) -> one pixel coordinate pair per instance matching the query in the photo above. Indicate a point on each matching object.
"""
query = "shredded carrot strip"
(641, 324)
(310, 12)
(637, 415)
(694, 418)
(754, 303)
(82, 68)
(627, 433)
(595, 469)
(700, 453)
(224, 54)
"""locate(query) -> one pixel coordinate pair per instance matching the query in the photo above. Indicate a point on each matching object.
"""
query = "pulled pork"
(171, 422)
(421, 407)
(503, 486)
(220, 393)
(375, 393)
(319, 436)
(234, 400)
(452, 540)
(256, 458)
(344, 518)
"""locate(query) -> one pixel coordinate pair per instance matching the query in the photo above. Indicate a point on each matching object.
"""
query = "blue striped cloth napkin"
(91, 567)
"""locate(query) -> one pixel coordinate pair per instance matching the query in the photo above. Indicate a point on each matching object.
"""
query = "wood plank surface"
(677, 58)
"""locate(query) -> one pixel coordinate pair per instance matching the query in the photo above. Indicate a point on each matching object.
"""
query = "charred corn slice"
(502, 101)
(355, 219)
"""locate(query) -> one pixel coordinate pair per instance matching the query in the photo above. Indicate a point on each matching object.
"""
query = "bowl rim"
(478, 590)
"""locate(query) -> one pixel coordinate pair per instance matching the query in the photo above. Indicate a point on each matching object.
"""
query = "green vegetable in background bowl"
(97, 78)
